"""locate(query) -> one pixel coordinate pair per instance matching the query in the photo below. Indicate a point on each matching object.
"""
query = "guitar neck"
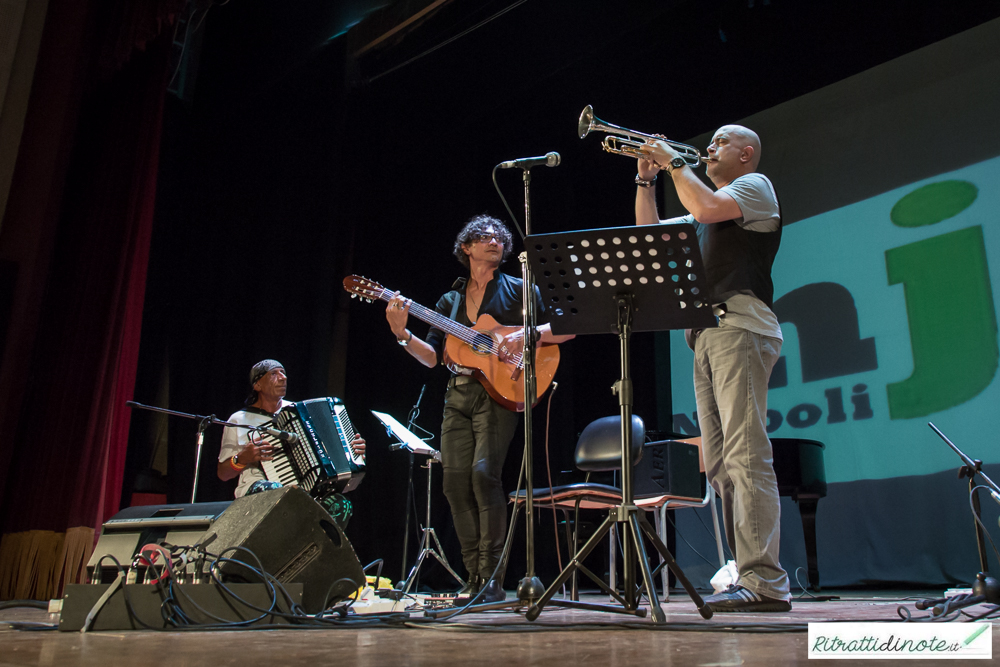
(437, 320)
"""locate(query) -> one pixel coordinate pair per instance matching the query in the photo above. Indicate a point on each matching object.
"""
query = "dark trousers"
(475, 435)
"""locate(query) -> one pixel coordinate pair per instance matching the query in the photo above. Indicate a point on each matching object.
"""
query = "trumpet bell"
(586, 123)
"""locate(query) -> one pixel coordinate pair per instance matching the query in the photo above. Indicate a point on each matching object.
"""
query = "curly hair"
(475, 228)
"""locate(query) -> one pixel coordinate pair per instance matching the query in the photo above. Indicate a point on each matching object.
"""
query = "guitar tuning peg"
(368, 300)
(354, 296)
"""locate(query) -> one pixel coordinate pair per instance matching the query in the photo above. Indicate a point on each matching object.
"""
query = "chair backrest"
(600, 445)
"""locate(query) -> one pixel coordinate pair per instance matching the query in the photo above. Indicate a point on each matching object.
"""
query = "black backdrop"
(294, 164)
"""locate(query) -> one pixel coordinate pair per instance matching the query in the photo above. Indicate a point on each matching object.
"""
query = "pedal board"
(441, 601)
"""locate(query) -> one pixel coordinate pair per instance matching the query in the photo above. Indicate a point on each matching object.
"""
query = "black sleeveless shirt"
(738, 260)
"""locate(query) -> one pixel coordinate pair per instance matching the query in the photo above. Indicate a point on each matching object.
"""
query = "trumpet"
(620, 145)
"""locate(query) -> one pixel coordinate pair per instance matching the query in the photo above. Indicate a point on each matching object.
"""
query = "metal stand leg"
(660, 517)
(613, 557)
(634, 524)
(426, 548)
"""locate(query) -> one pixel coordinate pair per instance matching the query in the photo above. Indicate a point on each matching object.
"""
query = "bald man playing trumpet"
(739, 230)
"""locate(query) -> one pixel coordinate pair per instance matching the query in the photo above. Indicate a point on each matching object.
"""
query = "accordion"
(323, 461)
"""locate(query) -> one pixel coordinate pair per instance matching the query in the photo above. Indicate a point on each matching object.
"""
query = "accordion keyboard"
(323, 459)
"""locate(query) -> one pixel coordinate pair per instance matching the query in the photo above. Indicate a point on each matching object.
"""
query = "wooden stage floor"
(558, 637)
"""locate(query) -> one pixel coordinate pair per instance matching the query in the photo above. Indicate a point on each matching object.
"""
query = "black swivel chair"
(599, 450)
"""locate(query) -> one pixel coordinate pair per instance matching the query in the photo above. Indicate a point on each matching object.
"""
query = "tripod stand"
(430, 545)
(970, 470)
(426, 548)
(652, 278)
(984, 588)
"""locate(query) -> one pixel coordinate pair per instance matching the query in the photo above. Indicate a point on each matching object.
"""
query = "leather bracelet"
(235, 463)
(643, 183)
(405, 341)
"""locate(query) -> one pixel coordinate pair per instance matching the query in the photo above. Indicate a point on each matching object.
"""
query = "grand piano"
(798, 465)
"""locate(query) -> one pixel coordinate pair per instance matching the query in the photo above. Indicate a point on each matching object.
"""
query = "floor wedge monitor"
(294, 539)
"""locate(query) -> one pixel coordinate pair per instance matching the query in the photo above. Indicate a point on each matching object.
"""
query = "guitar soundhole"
(482, 344)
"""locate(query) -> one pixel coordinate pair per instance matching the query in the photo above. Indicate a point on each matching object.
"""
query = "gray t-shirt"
(755, 196)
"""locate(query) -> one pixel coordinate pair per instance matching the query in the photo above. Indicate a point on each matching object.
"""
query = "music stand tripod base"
(619, 280)
(426, 548)
(430, 545)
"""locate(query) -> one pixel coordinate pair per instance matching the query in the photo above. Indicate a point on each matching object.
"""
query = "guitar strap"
(459, 288)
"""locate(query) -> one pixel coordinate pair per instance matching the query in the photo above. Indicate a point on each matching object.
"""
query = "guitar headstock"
(363, 287)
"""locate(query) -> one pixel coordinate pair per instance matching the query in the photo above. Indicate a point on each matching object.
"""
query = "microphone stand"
(530, 588)
(970, 470)
(203, 423)
(985, 588)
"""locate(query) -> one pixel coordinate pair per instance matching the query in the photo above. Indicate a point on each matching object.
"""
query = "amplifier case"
(669, 468)
(200, 602)
(126, 532)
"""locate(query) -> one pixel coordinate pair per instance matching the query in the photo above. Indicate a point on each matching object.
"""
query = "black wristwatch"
(677, 163)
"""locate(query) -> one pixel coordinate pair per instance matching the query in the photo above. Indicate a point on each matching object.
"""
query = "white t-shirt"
(235, 439)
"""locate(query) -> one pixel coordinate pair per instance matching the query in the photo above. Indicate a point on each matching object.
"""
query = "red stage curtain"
(75, 238)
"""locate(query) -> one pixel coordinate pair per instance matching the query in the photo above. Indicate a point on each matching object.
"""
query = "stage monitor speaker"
(669, 468)
(295, 540)
(126, 532)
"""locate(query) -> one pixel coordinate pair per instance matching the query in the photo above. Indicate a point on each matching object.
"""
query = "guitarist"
(476, 431)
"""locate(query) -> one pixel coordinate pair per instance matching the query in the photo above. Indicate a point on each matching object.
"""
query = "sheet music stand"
(619, 280)
(410, 442)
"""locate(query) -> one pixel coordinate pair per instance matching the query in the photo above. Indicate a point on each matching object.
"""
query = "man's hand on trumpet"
(661, 153)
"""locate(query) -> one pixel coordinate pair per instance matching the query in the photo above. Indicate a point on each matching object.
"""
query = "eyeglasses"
(486, 238)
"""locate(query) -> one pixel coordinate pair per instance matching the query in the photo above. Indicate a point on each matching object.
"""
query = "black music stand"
(430, 545)
(619, 280)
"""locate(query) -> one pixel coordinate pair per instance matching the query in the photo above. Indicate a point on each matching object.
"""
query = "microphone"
(414, 411)
(284, 436)
(551, 159)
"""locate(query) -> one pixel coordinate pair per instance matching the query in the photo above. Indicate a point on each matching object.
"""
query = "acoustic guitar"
(475, 348)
